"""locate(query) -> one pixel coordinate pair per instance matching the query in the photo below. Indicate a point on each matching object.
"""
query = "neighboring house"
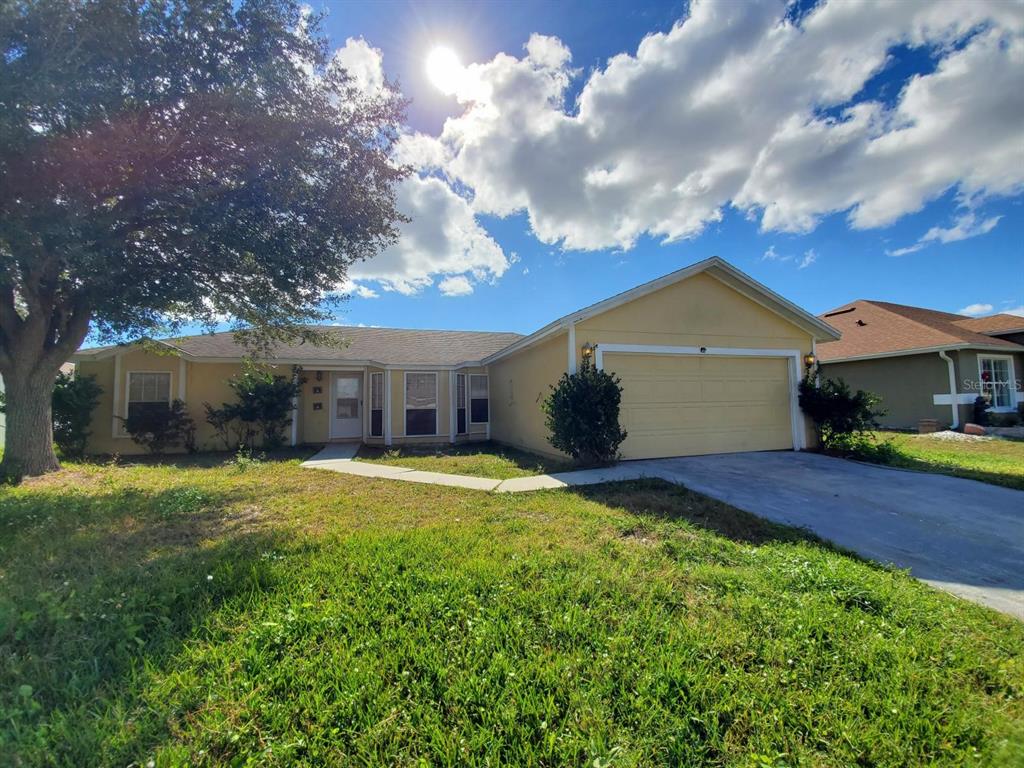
(709, 361)
(926, 364)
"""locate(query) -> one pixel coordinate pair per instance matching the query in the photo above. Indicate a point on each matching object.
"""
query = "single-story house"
(709, 361)
(926, 364)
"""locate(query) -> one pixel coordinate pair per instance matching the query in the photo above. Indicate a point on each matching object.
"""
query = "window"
(376, 405)
(997, 382)
(148, 392)
(478, 400)
(460, 403)
(420, 403)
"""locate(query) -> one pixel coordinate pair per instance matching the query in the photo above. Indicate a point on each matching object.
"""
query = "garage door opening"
(693, 404)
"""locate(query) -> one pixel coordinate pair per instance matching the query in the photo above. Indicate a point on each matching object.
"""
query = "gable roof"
(384, 346)
(993, 325)
(716, 267)
(880, 328)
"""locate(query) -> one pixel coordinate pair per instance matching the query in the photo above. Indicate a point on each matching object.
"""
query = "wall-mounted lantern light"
(319, 375)
(588, 350)
(810, 359)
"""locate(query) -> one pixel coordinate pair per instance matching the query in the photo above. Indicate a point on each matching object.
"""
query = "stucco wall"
(519, 384)
(699, 311)
(906, 385)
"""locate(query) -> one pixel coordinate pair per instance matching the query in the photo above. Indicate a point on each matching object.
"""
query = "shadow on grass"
(100, 593)
(666, 501)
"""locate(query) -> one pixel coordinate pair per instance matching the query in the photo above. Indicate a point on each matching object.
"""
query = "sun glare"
(444, 69)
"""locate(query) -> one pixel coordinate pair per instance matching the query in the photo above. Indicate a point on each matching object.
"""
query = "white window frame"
(405, 402)
(128, 393)
(465, 402)
(469, 397)
(1011, 384)
(371, 409)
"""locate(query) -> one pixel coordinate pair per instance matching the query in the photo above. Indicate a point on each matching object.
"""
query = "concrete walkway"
(338, 457)
(962, 536)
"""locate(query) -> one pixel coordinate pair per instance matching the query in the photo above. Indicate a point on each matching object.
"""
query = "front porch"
(383, 406)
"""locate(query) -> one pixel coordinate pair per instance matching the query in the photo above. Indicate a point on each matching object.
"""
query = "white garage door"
(685, 405)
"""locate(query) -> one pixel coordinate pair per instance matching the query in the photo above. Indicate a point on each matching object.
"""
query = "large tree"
(173, 159)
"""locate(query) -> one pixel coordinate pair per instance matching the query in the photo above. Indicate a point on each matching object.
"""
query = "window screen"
(420, 403)
(479, 407)
(460, 403)
(377, 405)
(148, 392)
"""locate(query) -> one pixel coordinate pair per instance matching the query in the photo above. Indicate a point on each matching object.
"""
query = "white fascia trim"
(527, 341)
(791, 355)
(347, 365)
(962, 398)
(84, 356)
(921, 351)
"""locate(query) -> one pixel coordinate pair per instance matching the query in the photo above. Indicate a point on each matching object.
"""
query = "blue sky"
(818, 221)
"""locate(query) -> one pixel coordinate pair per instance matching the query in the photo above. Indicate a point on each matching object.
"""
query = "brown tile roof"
(390, 346)
(878, 327)
(1001, 323)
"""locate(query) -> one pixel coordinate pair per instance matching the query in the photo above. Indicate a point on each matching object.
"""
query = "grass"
(475, 459)
(204, 613)
(1000, 462)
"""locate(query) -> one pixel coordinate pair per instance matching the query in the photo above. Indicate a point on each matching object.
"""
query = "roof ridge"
(881, 306)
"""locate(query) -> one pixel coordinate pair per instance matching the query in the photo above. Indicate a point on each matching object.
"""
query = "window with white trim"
(376, 405)
(997, 382)
(479, 399)
(420, 403)
(460, 404)
(148, 392)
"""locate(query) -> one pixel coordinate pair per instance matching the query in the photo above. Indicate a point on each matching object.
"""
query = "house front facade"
(926, 364)
(709, 361)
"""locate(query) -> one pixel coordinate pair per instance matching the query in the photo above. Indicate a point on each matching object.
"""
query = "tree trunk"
(28, 448)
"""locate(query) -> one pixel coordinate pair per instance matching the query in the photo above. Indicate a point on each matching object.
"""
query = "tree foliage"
(74, 400)
(582, 415)
(176, 160)
(838, 413)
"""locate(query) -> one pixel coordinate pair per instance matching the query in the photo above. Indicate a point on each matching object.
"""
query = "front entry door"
(347, 405)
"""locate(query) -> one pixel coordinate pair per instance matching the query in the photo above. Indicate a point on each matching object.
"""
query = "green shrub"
(838, 413)
(160, 428)
(74, 400)
(582, 415)
(265, 405)
(1004, 419)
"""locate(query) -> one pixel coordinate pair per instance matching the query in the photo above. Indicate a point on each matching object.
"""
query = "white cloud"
(1019, 311)
(458, 285)
(966, 225)
(809, 258)
(738, 105)
(442, 238)
(363, 62)
(355, 289)
(975, 310)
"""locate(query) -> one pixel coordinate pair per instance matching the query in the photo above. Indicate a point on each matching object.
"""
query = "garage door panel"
(686, 405)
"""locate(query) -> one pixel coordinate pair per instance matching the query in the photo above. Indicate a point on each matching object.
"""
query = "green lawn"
(197, 613)
(1000, 462)
(476, 459)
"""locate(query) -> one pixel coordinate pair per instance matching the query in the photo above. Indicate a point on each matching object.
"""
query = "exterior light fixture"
(319, 375)
(588, 350)
(810, 359)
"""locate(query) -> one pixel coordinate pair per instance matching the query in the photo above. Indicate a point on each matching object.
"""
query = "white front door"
(347, 405)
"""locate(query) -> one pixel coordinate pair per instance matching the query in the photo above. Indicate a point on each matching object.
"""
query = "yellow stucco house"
(709, 361)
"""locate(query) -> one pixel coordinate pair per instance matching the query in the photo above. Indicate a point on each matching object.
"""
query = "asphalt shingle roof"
(879, 327)
(390, 346)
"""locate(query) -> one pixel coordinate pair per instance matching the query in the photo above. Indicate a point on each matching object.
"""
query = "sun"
(444, 69)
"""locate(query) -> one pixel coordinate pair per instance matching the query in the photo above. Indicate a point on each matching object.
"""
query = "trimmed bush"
(161, 428)
(582, 415)
(839, 414)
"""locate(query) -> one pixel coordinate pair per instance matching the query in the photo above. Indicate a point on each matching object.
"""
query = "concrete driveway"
(959, 535)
